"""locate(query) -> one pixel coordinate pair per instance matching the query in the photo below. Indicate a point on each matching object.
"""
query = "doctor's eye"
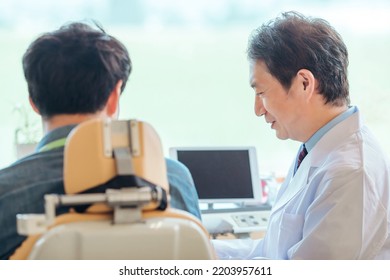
(259, 94)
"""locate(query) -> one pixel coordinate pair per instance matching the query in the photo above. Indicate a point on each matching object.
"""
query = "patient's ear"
(112, 106)
(33, 106)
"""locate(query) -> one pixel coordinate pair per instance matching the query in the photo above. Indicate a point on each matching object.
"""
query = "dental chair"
(117, 190)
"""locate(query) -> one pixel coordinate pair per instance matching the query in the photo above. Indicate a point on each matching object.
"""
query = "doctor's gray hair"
(293, 42)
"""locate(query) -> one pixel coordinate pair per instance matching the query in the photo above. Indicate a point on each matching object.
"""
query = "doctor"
(334, 203)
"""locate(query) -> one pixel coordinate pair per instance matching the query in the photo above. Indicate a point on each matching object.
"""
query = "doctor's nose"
(259, 107)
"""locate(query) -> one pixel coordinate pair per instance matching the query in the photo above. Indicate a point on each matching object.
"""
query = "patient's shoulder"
(174, 166)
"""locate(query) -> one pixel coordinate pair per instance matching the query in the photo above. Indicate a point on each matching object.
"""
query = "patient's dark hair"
(73, 70)
(293, 42)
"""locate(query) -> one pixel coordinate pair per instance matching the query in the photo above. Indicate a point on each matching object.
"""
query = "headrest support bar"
(123, 161)
(127, 204)
(121, 133)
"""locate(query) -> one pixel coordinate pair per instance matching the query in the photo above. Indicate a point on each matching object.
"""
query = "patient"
(73, 74)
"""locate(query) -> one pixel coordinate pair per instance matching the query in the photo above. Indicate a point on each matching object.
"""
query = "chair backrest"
(89, 160)
(131, 222)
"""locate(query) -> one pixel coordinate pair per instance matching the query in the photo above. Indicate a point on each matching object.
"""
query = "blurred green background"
(190, 75)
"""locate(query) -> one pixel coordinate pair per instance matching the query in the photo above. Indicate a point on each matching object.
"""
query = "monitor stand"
(221, 206)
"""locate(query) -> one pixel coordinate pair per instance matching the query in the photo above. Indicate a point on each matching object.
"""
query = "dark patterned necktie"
(301, 155)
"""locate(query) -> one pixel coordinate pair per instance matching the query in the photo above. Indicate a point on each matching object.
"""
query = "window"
(190, 76)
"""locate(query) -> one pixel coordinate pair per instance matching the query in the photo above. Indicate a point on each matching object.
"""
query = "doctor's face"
(280, 107)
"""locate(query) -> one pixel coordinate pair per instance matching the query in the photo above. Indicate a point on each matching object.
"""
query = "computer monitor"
(222, 174)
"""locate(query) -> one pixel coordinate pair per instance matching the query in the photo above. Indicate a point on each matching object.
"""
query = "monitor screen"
(222, 174)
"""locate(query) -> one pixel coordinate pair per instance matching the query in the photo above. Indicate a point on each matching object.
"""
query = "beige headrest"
(86, 165)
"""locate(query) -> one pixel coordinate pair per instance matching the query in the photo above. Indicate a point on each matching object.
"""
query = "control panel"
(236, 222)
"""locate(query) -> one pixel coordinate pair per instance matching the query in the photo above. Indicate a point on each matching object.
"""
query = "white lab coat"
(335, 207)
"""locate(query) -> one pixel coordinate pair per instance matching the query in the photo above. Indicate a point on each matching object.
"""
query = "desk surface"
(252, 235)
(261, 207)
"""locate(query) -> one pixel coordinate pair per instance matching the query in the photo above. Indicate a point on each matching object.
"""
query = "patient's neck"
(57, 121)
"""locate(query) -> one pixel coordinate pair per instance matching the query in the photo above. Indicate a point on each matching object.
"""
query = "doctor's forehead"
(252, 80)
(258, 72)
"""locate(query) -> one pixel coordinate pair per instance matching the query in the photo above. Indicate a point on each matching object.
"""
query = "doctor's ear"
(306, 81)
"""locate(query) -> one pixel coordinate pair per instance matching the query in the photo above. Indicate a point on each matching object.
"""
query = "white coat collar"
(294, 184)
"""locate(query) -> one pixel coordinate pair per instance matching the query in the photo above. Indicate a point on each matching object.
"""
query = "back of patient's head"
(74, 69)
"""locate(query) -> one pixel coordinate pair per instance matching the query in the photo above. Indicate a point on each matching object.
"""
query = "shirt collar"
(54, 135)
(323, 130)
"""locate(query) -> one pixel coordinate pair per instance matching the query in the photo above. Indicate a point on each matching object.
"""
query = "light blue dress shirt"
(309, 144)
